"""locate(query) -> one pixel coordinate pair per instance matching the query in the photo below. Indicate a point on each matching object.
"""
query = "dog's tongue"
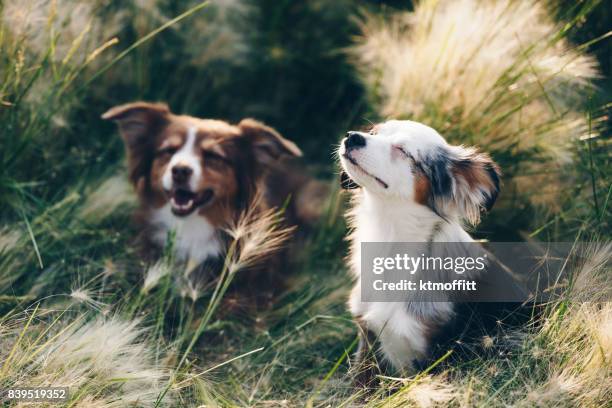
(182, 197)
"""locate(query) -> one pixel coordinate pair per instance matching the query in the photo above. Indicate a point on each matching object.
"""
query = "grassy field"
(79, 309)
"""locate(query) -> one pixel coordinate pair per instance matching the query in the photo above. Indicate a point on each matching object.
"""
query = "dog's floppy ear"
(461, 180)
(138, 123)
(137, 120)
(267, 143)
(346, 182)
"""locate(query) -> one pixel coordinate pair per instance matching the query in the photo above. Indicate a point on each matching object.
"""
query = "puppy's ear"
(346, 182)
(478, 177)
(462, 180)
(137, 120)
(267, 143)
(138, 123)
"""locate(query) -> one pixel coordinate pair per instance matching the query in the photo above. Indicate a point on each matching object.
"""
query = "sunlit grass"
(79, 308)
(509, 82)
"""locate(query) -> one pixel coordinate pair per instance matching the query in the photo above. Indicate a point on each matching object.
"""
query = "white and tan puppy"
(409, 185)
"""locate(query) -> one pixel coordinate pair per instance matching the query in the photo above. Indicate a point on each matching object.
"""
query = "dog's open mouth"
(184, 201)
(348, 157)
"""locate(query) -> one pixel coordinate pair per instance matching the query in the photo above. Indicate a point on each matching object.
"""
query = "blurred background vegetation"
(311, 70)
(284, 62)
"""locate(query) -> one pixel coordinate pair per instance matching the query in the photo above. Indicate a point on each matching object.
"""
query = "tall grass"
(105, 362)
(80, 309)
(498, 74)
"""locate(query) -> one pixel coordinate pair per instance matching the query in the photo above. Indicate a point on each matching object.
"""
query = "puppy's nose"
(180, 174)
(354, 140)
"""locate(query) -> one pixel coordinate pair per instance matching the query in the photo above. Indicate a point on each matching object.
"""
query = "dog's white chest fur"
(195, 238)
(402, 335)
(414, 187)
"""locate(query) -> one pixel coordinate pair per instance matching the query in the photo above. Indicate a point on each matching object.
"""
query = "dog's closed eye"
(403, 152)
(167, 150)
(215, 158)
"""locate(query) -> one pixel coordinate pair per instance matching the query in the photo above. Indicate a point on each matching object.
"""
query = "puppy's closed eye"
(166, 151)
(214, 158)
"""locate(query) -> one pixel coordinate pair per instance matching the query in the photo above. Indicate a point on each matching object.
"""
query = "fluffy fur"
(195, 177)
(411, 186)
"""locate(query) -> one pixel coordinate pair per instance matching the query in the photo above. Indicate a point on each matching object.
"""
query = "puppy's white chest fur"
(415, 187)
(195, 238)
(402, 334)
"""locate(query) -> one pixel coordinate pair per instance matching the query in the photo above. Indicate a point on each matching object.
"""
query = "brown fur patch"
(422, 188)
(218, 214)
(476, 171)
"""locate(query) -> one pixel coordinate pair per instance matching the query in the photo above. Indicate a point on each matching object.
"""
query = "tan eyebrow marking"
(213, 146)
(172, 141)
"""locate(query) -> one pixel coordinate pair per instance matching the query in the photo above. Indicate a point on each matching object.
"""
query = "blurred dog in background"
(195, 177)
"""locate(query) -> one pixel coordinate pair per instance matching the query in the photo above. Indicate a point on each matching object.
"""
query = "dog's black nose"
(354, 140)
(180, 174)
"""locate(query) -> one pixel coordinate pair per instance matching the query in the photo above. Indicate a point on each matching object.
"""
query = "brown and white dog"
(410, 186)
(196, 176)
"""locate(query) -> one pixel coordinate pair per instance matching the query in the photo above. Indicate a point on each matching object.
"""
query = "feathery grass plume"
(498, 74)
(104, 362)
(578, 336)
(189, 288)
(430, 392)
(84, 296)
(557, 391)
(110, 268)
(102, 202)
(256, 234)
(574, 343)
(9, 239)
(11, 242)
(11, 246)
(578, 354)
(593, 280)
(68, 29)
(155, 273)
(55, 40)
